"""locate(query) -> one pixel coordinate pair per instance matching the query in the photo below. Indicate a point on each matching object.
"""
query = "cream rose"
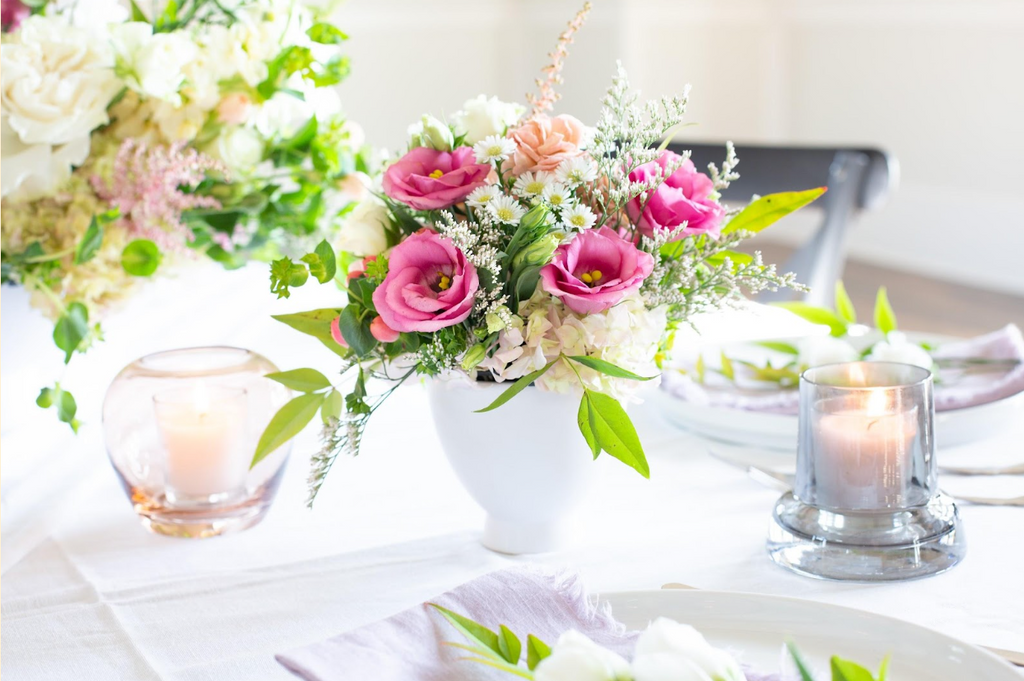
(482, 117)
(156, 62)
(241, 149)
(362, 233)
(57, 81)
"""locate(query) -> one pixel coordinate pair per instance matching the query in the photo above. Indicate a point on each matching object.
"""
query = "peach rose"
(543, 142)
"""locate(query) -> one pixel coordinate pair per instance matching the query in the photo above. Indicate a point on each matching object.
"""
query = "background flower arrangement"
(514, 245)
(133, 138)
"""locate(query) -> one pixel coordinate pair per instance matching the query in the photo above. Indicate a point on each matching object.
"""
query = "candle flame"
(201, 398)
(876, 403)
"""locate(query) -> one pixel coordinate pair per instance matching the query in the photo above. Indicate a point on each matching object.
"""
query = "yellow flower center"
(505, 214)
(535, 187)
(556, 199)
(577, 221)
(436, 174)
(443, 282)
(591, 278)
(494, 151)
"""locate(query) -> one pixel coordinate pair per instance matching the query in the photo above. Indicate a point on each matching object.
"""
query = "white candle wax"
(864, 453)
(203, 433)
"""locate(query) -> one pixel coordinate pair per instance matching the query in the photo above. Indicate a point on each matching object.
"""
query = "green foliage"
(585, 420)
(287, 423)
(845, 670)
(285, 274)
(485, 644)
(779, 346)
(322, 263)
(140, 258)
(332, 406)
(355, 329)
(302, 380)
(315, 323)
(727, 369)
(768, 210)
(844, 306)
(326, 34)
(885, 318)
(608, 368)
(817, 315)
(71, 329)
(517, 387)
(64, 403)
(536, 650)
(509, 646)
(608, 426)
(798, 660)
(92, 240)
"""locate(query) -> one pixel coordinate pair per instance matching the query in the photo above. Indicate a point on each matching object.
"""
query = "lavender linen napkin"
(956, 393)
(409, 645)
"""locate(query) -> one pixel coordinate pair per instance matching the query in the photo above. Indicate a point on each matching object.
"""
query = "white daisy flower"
(506, 209)
(557, 195)
(532, 184)
(493, 148)
(578, 218)
(481, 197)
(576, 170)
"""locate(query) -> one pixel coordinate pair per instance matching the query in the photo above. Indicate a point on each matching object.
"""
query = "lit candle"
(865, 451)
(203, 432)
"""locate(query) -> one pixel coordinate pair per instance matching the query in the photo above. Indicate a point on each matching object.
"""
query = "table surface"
(89, 594)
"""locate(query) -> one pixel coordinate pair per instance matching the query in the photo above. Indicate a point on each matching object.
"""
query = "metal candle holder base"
(867, 546)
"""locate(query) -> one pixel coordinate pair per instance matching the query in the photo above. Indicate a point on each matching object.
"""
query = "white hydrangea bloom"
(627, 335)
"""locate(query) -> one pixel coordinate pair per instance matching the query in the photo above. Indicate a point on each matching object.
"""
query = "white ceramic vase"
(525, 462)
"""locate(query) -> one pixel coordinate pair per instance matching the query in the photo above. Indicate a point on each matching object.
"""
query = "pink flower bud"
(382, 332)
(336, 332)
(234, 108)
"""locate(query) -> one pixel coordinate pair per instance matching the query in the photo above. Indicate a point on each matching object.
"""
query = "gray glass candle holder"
(865, 504)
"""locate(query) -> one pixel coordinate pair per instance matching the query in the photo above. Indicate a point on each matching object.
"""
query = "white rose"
(665, 637)
(576, 658)
(896, 348)
(156, 61)
(240, 148)
(430, 132)
(177, 123)
(666, 667)
(362, 232)
(482, 117)
(57, 81)
(816, 351)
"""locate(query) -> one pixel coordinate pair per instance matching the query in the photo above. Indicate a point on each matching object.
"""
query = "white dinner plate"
(953, 427)
(755, 628)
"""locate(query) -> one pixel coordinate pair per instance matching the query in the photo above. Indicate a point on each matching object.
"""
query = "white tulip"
(576, 658)
(896, 348)
(430, 132)
(816, 351)
(482, 117)
(667, 637)
(363, 230)
(666, 667)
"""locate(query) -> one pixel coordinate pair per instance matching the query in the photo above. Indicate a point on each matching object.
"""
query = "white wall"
(937, 82)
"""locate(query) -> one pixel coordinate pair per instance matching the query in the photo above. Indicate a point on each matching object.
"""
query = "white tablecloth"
(88, 594)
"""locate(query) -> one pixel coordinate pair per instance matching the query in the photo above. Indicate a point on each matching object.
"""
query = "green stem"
(33, 282)
(50, 256)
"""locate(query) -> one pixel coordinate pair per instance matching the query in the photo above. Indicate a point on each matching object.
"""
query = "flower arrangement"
(665, 651)
(522, 247)
(135, 138)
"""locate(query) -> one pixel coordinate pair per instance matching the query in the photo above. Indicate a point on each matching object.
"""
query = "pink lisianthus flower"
(427, 179)
(684, 196)
(543, 142)
(14, 12)
(595, 270)
(430, 285)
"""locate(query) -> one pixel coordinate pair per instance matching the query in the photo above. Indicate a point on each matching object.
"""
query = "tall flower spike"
(547, 97)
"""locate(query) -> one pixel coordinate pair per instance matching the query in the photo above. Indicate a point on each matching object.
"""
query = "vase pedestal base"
(515, 538)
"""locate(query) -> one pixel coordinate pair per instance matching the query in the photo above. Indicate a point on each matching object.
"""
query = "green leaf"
(71, 329)
(844, 306)
(303, 380)
(727, 369)
(844, 670)
(91, 241)
(331, 408)
(315, 323)
(700, 369)
(509, 645)
(738, 258)
(883, 669)
(798, 660)
(326, 34)
(616, 434)
(885, 318)
(473, 631)
(286, 424)
(140, 258)
(817, 315)
(517, 387)
(356, 331)
(608, 368)
(779, 346)
(329, 260)
(585, 420)
(137, 14)
(65, 403)
(769, 209)
(285, 274)
(536, 650)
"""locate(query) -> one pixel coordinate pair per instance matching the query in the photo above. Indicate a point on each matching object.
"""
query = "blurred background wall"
(936, 82)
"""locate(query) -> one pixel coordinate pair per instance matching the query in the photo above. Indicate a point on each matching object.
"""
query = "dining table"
(88, 593)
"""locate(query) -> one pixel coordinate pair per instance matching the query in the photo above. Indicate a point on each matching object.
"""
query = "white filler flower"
(532, 183)
(481, 197)
(578, 170)
(506, 209)
(578, 218)
(493, 149)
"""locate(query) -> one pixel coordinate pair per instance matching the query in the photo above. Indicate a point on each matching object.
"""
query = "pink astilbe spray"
(146, 186)
(553, 71)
